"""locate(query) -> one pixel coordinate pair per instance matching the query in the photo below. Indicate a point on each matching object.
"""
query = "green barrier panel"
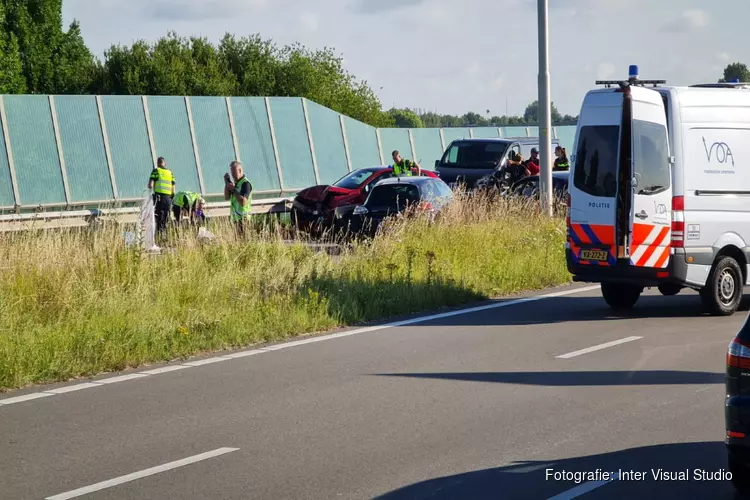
(392, 139)
(213, 135)
(32, 141)
(328, 141)
(292, 142)
(452, 134)
(173, 140)
(534, 132)
(566, 136)
(6, 185)
(128, 143)
(254, 141)
(485, 132)
(514, 132)
(363, 144)
(427, 145)
(83, 148)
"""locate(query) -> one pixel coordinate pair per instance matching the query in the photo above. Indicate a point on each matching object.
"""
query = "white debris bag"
(147, 224)
(205, 234)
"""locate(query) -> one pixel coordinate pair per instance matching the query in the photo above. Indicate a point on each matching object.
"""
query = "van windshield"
(595, 170)
(475, 154)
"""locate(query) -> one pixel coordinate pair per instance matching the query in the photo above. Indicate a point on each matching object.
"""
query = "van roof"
(522, 140)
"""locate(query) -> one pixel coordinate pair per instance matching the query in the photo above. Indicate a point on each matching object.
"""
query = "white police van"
(659, 191)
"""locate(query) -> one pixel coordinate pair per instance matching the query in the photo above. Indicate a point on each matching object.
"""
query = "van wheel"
(620, 296)
(723, 291)
(669, 289)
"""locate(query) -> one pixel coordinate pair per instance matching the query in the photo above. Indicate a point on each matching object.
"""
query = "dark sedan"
(737, 408)
(392, 197)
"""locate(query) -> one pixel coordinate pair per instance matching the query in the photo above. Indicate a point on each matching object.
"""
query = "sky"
(453, 56)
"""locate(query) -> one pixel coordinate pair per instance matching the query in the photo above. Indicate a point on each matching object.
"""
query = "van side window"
(595, 170)
(650, 158)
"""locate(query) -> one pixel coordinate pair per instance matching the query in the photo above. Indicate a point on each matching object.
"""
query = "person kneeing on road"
(403, 167)
(187, 203)
(162, 181)
(238, 191)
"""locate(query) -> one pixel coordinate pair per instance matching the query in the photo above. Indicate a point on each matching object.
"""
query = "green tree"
(405, 118)
(531, 115)
(11, 68)
(736, 71)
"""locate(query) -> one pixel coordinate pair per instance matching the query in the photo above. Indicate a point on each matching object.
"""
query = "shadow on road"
(573, 308)
(527, 480)
(579, 378)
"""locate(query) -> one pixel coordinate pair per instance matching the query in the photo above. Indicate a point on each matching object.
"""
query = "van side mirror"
(437, 163)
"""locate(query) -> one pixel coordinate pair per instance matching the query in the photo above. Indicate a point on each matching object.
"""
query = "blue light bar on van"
(633, 72)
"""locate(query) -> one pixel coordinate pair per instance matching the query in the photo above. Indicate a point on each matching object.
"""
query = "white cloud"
(606, 71)
(690, 20)
(309, 21)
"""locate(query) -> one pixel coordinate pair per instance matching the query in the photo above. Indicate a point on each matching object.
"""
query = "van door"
(651, 184)
(593, 180)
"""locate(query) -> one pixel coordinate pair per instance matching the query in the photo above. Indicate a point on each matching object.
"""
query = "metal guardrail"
(124, 215)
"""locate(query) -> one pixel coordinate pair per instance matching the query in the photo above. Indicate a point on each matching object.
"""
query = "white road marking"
(73, 388)
(207, 361)
(582, 489)
(295, 343)
(165, 369)
(138, 475)
(27, 397)
(598, 347)
(527, 468)
(121, 378)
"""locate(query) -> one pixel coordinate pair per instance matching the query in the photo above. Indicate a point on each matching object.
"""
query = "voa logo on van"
(600, 204)
(719, 153)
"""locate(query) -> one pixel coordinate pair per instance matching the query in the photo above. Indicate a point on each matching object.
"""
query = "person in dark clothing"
(561, 160)
(162, 181)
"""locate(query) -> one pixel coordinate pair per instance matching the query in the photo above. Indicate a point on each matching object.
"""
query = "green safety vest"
(562, 166)
(186, 199)
(163, 184)
(403, 169)
(238, 211)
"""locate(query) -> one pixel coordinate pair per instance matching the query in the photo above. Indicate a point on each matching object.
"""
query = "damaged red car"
(313, 207)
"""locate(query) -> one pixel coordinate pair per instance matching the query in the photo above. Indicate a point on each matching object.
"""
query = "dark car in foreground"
(737, 408)
(313, 207)
(466, 161)
(392, 197)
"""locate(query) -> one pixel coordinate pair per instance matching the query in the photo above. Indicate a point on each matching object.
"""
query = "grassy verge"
(80, 303)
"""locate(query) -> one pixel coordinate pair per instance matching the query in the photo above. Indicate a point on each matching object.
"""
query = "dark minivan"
(465, 161)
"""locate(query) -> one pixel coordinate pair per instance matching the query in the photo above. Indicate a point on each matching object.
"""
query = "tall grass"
(78, 302)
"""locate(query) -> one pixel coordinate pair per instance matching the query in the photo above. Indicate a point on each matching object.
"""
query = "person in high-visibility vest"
(238, 190)
(561, 160)
(403, 167)
(162, 181)
(189, 204)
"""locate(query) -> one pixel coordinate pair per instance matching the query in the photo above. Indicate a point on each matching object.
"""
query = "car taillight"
(678, 222)
(738, 354)
(426, 205)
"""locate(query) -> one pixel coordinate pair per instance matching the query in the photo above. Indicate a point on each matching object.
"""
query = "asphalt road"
(470, 406)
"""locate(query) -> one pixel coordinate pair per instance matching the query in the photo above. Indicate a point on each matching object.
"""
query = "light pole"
(545, 110)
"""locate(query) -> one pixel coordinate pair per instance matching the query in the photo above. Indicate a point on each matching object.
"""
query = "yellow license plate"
(598, 255)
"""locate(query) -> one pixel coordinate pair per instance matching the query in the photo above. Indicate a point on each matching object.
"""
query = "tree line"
(38, 56)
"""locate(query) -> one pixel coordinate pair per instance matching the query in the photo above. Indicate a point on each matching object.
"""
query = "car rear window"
(474, 154)
(393, 196)
(595, 170)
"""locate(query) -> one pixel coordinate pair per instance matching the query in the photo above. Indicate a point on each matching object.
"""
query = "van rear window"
(595, 170)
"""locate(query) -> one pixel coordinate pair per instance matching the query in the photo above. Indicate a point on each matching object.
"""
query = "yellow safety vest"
(163, 185)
